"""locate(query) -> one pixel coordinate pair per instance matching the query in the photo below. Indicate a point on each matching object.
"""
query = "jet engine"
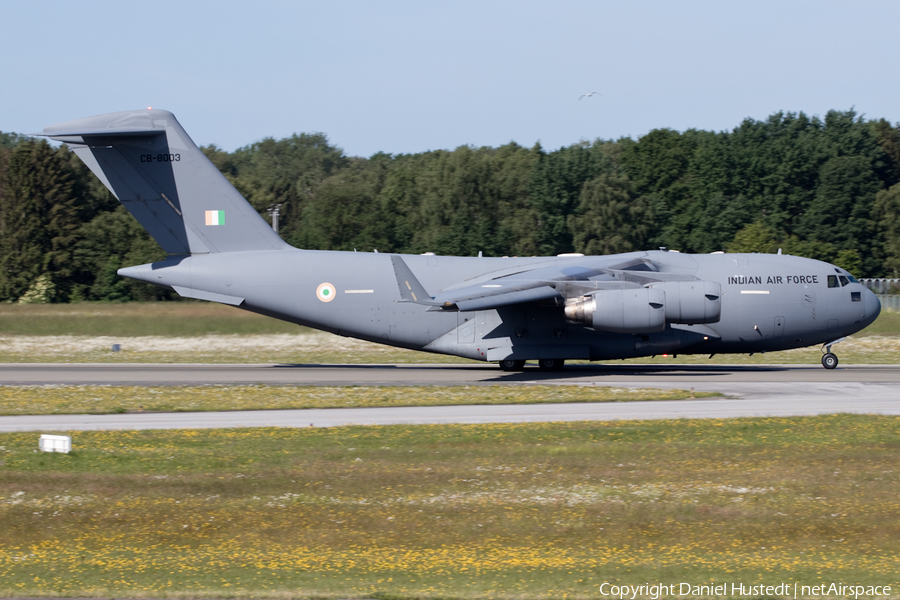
(631, 310)
(690, 302)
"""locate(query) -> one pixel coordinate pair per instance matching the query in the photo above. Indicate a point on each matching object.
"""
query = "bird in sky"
(589, 94)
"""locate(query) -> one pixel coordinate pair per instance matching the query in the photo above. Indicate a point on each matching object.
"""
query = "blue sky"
(406, 77)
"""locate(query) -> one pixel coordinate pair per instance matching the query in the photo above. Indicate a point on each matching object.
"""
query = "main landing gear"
(551, 364)
(512, 365)
(544, 364)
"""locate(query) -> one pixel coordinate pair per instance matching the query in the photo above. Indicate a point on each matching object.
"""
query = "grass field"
(182, 332)
(135, 319)
(87, 399)
(466, 511)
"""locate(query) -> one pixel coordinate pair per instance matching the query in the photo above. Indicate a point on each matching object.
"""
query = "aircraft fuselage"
(768, 302)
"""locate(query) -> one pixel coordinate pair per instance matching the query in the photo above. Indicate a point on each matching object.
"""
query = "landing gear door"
(465, 327)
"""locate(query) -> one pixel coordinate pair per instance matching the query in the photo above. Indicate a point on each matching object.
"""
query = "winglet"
(410, 288)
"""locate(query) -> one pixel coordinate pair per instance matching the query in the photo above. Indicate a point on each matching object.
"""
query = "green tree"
(556, 184)
(888, 138)
(755, 237)
(286, 172)
(38, 219)
(809, 248)
(610, 217)
(344, 213)
(842, 212)
(11, 140)
(462, 202)
(850, 260)
(760, 237)
(109, 241)
(659, 165)
(887, 215)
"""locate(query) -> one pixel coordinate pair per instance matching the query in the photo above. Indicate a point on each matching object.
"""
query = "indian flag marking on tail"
(215, 217)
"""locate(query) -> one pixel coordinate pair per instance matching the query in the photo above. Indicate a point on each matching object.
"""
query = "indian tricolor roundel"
(215, 217)
(325, 292)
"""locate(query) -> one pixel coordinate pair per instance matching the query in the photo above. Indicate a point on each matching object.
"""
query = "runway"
(436, 374)
(752, 391)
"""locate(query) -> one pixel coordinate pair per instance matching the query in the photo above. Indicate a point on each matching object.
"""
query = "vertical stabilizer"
(150, 164)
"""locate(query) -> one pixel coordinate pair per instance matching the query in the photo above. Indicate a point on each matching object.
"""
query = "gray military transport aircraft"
(505, 310)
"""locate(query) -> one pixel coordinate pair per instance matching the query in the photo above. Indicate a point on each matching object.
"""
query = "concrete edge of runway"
(695, 408)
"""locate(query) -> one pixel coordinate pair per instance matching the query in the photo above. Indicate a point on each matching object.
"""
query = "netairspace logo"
(655, 591)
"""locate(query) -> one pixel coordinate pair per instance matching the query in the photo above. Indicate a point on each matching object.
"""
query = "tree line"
(825, 188)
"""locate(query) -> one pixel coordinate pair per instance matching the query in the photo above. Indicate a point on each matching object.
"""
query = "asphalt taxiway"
(751, 391)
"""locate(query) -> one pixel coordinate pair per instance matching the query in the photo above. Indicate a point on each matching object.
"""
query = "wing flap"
(536, 294)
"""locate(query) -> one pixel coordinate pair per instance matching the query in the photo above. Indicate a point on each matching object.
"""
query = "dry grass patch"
(186, 332)
(78, 399)
(324, 348)
(135, 319)
(284, 348)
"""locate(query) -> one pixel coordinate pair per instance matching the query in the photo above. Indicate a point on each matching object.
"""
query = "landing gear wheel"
(551, 364)
(512, 365)
(829, 361)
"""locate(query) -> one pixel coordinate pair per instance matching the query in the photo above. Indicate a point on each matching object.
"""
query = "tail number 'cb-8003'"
(149, 158)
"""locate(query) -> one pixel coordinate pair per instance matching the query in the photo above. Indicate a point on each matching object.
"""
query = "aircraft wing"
(545, 284)
(495, 295)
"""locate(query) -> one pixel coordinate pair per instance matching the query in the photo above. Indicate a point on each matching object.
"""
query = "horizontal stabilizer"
(81, 134)
(211, 296)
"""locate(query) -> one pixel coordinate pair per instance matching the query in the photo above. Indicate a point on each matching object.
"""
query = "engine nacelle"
(692, 302)
(632, 310)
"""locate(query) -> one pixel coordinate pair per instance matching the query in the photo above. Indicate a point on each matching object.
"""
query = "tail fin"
(151, 165)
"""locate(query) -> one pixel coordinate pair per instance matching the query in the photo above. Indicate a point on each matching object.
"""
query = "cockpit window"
(844, 281)
(855, 297)
(848, 276)
(832, 281)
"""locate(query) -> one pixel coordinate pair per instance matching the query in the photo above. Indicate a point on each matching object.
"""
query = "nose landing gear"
(829, 360)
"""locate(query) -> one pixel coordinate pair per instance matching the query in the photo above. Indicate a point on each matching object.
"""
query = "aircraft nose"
(872, 305)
